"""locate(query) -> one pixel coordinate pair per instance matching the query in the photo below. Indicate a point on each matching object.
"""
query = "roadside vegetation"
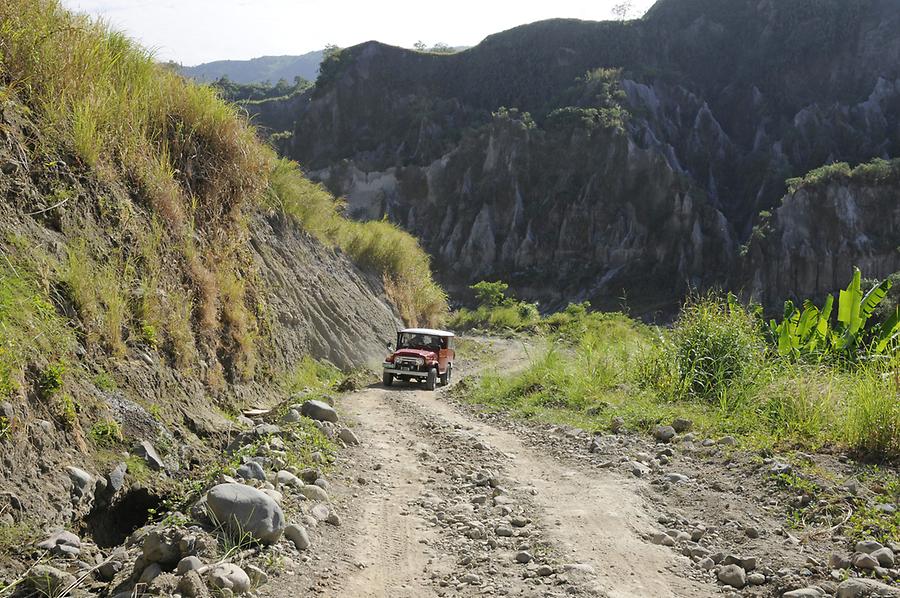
(722, 366)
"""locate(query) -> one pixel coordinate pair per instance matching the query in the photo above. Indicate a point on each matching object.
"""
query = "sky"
(196, 31)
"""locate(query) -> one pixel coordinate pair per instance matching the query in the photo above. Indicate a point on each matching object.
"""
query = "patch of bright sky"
(195, 31)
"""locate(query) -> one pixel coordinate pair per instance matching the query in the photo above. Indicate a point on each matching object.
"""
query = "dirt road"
(438, 503)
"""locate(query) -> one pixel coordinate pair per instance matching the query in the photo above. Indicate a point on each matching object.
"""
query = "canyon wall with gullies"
(632, 159)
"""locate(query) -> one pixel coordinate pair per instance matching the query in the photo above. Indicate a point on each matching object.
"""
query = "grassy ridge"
(150, 177)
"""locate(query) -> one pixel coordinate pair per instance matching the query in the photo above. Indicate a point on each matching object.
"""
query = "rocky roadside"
(250, 519)
(753, 523)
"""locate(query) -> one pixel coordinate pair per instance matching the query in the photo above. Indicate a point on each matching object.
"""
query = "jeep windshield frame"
(427, 342)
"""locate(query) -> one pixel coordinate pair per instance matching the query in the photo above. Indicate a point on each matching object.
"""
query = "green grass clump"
(311, 374)
(496, 311)
(29, 327)
(106, 433)
(715, 347)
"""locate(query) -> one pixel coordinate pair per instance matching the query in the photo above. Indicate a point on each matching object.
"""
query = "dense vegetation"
(255, 92)
(720, 365)
(149, 178)
(876, 172)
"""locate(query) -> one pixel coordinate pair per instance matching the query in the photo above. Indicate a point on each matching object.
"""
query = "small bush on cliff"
(878, 171)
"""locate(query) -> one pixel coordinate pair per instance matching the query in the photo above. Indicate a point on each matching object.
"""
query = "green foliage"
(872, 424)
(311, 374)
(104, 381)
(514, 116)
(65, 410)
(878, 171)
(334, 61)
(255, 92)
(106, 433)
(490, 294)
(713, 350)
(809, 333)
(496, 311)
(50, 380)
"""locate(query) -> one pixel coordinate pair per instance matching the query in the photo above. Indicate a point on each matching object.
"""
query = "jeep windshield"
(410, 340)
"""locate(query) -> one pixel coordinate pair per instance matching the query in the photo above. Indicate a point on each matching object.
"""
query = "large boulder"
(319, 410)
(246, 510)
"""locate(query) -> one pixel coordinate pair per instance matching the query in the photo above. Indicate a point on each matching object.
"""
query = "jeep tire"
(445, 377)
(387, 378)
(431, 380)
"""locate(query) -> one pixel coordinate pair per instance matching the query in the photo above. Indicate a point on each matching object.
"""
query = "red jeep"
(423, 355)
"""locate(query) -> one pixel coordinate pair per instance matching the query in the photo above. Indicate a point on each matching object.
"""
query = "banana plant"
(809, 333)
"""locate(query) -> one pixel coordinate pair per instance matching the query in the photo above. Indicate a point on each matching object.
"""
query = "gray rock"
(320, 512)
(150, 572)
(82, 483)
(470, 578)
(663, 433)
(747, 563)
(314, 493)
(811, 592)
(62, 543)
(319, 410)
(286, 478)
(107, 571)
(865, 588)
(733, 576)
(297, 534)
(838, 561)
(144, 449)
(864, 561)
(868, 546)
(192, 586)
(851, 486)
(188, 563)
(681, 425)
(348, 436)
(116, 478)
(49, 581)
(756, 579)
(246, 510)
(523, 556)
(886, 507)
(228, 576)
(663, 539)
(884, 556)
(158, 549)
(706, 564)
(727, 441)
(544, 571)
(616, 425)
(292, 416)
(779, 468)
(676, 478)
(251, 470)
(638, 469)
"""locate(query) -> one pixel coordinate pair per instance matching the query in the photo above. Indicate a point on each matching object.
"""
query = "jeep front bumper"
(390, 368)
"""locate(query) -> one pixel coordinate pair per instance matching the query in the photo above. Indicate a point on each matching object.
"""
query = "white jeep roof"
(428, 331)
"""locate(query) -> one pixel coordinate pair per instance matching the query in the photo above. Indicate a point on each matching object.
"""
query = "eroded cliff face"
(726, 100)
(819, 234)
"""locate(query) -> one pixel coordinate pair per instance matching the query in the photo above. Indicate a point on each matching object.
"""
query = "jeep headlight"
(420, 361)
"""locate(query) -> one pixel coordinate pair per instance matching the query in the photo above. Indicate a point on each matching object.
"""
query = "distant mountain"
(582, 160)
(259, 70)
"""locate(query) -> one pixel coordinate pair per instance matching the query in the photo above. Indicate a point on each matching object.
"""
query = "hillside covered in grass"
(160, 270)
